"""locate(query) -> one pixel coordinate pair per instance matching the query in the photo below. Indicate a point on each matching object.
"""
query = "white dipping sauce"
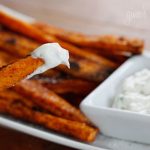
(135, 95)
(52, 54)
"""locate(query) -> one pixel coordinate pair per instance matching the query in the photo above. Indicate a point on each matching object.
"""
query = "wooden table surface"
(128, 17)
(13, 140)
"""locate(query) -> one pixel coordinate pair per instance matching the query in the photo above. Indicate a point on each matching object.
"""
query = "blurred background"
(120, 17)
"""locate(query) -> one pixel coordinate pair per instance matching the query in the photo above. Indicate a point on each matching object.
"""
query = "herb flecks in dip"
(135, 94)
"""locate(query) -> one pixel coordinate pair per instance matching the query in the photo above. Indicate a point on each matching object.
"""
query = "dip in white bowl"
(135, 94)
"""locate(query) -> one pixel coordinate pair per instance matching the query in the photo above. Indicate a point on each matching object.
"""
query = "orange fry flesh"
(108, 43)
(11, 96)
(23, 27)
(17, 71)
(16, 45)
(6, 58)
(74, 86)
(44, 38)
(80, 131)
(90, 67)
(49, 101)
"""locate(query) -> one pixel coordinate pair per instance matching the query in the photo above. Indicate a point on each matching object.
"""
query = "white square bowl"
(114, 122)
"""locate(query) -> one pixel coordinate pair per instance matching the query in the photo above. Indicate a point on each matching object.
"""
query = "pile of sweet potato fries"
(52, 99)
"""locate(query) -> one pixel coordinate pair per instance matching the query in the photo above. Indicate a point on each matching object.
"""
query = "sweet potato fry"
(105, 66)
(97, 70)
(50, 29)
(23, 28)
(49, 101)
(15, 72)
(5, 58)
(86, 69)
(62, 83)
(119, 57)
(51, 75)
(5, 19)
(16, 44)
(11, 96)
(80, 131)
(73, 86)
(87, 55)
(47, 78)
(28, 45)
(107, 43)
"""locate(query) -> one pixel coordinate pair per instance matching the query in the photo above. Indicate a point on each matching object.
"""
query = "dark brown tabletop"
(13, 140)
